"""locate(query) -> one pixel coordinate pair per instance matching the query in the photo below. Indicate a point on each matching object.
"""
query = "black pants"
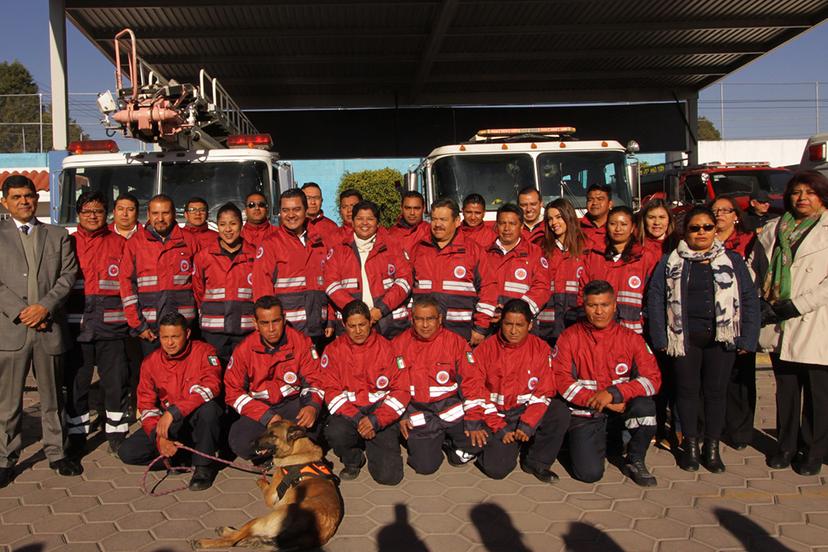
(134, 357)
(113, 366)
(425, 442)
(245, 431)
(588, 437)
(224, 344)
(801, 407)
(497, 460)
(383, 451)
(665, 399)
(706, 366)
(741, 400)
(200, 430)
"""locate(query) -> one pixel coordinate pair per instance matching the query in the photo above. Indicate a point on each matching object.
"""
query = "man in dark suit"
(38, 271)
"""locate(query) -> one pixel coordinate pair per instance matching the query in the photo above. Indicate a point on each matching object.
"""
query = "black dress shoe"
(67, 467)
(688, 459)
(710, 456)
(780, 460)
(203, 478)
(807, 466)
(545, 476)
(6, 476)
(349, 473)
(637, 470)
(738, 446)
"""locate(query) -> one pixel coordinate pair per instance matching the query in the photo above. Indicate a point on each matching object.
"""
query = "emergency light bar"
(252, 141)
(720, 165)
(92, 146)
(490, 132)
(817, 152)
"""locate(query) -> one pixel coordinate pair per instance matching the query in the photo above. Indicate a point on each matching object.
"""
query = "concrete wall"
(779, 153)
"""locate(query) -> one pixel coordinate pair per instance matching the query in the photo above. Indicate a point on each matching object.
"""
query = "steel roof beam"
(435, 43)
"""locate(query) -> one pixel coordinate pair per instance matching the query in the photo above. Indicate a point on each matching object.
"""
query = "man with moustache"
(531, 203)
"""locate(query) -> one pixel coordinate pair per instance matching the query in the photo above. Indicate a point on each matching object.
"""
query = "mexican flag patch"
(469, 357)
(314, 354)
(400, 363)
(213, 360)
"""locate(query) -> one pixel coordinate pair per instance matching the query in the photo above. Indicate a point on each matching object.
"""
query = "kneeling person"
(604, 372)
(518, 384)
(176, 398)
(272, 375)
(367, 390)
(440, 374)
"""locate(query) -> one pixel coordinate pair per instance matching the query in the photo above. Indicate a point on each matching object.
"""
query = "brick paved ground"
(748, 507)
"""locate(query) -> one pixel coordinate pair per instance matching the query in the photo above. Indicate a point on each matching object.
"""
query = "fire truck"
(815, 156)
(203, 145)
(684, 186)
(497, 163)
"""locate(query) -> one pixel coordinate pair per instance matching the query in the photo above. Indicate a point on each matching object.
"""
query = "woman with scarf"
(703, 310)
(795, 319)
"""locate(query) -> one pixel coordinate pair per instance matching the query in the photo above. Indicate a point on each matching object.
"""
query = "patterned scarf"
(726, 294)
(777, 285)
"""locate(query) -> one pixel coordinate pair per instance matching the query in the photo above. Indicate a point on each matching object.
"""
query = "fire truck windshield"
(570, 174)
(137, 179)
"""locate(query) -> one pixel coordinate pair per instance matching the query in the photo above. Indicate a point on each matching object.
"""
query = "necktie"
(25, 229)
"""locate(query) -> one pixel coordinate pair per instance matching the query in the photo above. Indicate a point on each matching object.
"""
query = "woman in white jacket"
(795, 320)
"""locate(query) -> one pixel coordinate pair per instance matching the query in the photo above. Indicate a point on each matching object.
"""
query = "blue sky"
(751, 110)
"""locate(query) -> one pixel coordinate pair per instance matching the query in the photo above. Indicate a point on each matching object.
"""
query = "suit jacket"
(57, 270)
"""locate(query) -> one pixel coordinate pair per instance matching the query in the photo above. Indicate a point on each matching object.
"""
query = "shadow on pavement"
(496, 529)
(747, 531)
(583, 537)
(399, 535)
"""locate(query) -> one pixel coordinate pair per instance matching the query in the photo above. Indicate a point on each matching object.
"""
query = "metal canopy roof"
(386, 53)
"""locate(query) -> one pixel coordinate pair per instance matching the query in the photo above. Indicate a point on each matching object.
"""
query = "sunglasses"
(254, 204)
(696, 228)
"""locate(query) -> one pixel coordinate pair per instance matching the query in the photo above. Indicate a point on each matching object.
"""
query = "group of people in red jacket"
(457, 338)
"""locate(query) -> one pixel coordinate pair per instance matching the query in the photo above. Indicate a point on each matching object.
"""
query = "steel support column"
(693, 122)
(57, 62)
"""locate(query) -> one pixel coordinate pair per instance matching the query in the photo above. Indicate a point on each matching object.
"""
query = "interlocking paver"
(13, 533)
(25, 514)
(179, 529)
(110, 512)
(126, 540)
(607, 520)
(662, 528)
(808, 534)
(57, 523)
(72, 504)
(140, 520)
(90, 532)
(631, 541)
(187, 510)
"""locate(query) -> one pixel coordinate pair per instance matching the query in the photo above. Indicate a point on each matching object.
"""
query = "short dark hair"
(355, 307)
(474, 199)
(817, 181)
(526, 190)
(174, 318)
(446, 202)
(350, 192)
(229, 207)
(18, 181)
(162, 197)
(425, 300)
(126, 196)
(598, 287)
(294, 193)
(267, 302)
(196, 199)
(366, 205)
(519, 306)
(600, 188)
(412, 193)
(510, 208)
(254, 193)
(307, 185)
(694, 212)
(91, 196)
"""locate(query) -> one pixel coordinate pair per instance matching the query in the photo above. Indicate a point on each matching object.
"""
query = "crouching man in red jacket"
(367, 390)
(441, 374)
(176, 399)
(606, 373)
(514, 404)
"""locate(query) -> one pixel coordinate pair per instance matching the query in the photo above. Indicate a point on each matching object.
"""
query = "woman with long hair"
(565, 248)
(656, 227)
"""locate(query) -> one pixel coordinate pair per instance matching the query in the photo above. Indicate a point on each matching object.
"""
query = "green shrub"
(380, 186)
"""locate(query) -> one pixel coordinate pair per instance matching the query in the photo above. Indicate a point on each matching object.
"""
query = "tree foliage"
(707, 130)
(380, 186)
(16, 79)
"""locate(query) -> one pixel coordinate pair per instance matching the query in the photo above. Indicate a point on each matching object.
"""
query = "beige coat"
(805, 338)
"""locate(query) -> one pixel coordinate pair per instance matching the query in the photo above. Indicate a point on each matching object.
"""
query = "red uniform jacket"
(568, 281)
(408, 236)
(326, 228)
(365, 380)
(292, 271)
(518, 383)
(389, 278)
(587, 360)
(596, 236)
(95, 300)
(258, 377)
(441, 375)
(628, 278)
(156, 278)
(535, 235)
(178, 384)
(223, 289)
(657, 248)
(202, 234)
(257, 233)
(741, 243)
(522, 273)
(456, 275)
(483, 234)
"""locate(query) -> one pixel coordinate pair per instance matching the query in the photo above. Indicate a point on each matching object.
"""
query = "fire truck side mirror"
(634, 178)
(411, 181)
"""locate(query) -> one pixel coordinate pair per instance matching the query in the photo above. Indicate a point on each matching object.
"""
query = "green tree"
(380, 186)
(15, 80)
(707, 130)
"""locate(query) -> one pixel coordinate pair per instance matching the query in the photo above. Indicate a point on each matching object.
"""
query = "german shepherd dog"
(307, 506)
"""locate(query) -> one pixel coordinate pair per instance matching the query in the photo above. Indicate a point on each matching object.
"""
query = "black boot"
(710, 456)
(689, 457)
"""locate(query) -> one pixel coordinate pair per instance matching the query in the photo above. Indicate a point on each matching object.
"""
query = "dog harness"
(293, 475)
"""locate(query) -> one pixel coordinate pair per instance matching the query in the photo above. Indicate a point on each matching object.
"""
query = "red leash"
(186, 469)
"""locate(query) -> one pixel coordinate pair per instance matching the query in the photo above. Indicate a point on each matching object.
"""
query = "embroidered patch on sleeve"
(213, 360)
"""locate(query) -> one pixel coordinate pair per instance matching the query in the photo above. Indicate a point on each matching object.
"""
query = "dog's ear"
(294, 433)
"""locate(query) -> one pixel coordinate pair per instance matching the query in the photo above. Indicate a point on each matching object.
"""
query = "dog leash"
(263, 472)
